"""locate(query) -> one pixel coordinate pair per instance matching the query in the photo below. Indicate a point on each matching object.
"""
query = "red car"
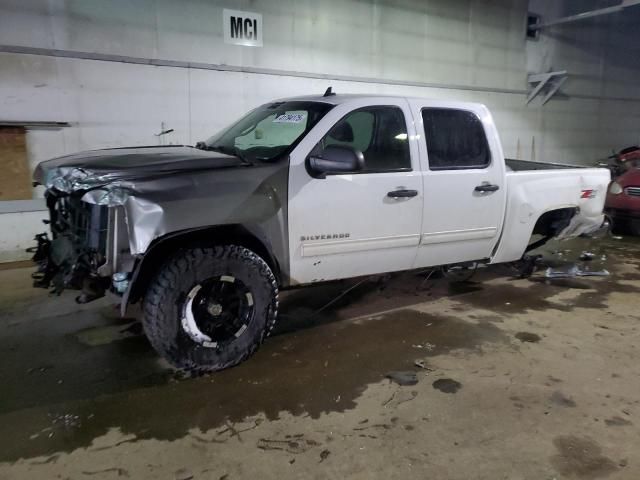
(623, 200)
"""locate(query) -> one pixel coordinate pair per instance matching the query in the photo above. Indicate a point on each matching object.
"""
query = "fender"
(252, 237)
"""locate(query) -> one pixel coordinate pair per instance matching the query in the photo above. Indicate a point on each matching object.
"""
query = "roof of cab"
(338, 98)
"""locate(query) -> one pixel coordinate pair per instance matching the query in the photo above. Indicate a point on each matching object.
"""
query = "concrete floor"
(523, 379)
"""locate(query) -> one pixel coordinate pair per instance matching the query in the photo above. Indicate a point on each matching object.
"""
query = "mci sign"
(242, 28)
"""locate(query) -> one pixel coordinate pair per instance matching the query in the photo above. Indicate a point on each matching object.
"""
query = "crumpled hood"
(95, 168)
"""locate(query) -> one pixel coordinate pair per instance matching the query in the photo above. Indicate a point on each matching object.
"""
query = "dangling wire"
(335, 299)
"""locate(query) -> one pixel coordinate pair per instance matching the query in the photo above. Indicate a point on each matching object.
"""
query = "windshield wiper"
(234, 151)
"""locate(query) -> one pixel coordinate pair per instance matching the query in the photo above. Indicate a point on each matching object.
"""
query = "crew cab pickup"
(298, 191)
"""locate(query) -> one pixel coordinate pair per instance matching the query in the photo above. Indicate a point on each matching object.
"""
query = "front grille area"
(71, 258)
(85, 224)
(633, 191)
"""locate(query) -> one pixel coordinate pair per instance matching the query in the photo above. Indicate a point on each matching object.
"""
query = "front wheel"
(210, 308)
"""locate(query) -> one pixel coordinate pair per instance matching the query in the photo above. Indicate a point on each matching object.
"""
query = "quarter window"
(380, 133)
(455, 139)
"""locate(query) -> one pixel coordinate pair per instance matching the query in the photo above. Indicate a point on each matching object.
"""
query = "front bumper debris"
(71, 256)
(55, 271)
(46, 271)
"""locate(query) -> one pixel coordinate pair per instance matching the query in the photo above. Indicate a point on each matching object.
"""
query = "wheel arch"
(553, 221)
(251, 237)
(549, 225)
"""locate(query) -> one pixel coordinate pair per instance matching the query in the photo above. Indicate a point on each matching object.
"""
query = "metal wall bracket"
(551, 80)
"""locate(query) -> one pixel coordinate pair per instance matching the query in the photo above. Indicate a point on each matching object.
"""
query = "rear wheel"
(634, 227)
(210, 308)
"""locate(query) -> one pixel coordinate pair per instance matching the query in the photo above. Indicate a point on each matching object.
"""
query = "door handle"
(402, 193)
(487, 187)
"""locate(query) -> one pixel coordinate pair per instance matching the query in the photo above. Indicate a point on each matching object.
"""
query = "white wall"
(476, 46)
(17, 231)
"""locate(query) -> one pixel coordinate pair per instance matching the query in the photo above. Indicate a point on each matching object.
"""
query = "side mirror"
(335, 160)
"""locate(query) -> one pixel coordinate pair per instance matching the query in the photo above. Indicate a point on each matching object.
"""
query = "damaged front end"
(77, 249)
(107, 208)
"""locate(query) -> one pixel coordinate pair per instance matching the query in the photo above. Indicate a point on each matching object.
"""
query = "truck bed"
(539, 187)
(526, 165)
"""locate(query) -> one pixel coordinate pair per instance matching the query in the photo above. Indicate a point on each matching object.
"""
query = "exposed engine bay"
(77, 248)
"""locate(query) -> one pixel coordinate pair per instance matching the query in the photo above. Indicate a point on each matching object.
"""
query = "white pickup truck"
(298, 191)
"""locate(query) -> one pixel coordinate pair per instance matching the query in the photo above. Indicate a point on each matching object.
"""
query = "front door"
(368, 222)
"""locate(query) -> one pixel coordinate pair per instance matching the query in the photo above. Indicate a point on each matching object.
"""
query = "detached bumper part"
(92, 289)
(585, 226)
(41, 257)
(601, 231)
(575, 271)
(59, 266)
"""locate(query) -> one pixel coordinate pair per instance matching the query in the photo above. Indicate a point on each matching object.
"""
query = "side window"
(455, 139)
(380, 133)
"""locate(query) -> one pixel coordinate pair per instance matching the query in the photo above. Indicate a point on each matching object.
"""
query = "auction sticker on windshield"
(290, 118)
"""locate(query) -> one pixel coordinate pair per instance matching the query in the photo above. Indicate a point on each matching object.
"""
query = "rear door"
(348, 225)
(464, 183)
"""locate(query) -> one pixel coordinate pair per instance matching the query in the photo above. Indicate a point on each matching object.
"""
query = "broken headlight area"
(112, 196)
(66, 180)
(70, 258)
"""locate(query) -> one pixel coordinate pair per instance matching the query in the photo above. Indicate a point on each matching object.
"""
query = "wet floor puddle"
(447, 385)
(528, 337)
(581, 457)
(321, 369)
(533, 295)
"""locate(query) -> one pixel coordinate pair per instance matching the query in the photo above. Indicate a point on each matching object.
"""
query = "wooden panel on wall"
(15, 177)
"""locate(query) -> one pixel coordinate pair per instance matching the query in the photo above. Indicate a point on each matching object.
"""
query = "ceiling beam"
(590, 14)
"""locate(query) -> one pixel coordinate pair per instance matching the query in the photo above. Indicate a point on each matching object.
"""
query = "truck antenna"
(328, 92)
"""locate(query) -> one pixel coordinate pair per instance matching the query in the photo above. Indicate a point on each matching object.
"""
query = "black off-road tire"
(167, 292)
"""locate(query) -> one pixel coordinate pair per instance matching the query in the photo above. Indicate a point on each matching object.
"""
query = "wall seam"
(74, 54)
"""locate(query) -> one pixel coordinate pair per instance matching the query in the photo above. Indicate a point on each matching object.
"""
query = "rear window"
(455, 139)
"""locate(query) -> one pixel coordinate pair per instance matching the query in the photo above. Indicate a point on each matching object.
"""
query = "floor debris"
(421, 364)
(403, 378)
(427, 346)
(575, 271)
(587, 256)
(324, 454)
(183, 474)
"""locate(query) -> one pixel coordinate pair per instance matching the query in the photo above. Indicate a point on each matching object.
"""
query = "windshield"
(268, 131)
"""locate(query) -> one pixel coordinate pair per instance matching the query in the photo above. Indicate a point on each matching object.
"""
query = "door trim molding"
(458, 235)
(314, 249)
